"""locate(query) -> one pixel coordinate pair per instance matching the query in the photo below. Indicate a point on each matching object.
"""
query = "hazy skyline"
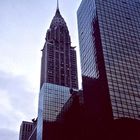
(23, 28)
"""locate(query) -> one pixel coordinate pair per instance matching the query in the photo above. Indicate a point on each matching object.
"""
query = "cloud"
(17, 101)
(6, 134)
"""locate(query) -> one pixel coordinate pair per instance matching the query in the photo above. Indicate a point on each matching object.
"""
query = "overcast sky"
(23, 25)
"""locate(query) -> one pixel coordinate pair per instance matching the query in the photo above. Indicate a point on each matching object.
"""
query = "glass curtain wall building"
(52, 98)
(58, 72)
(109, 36)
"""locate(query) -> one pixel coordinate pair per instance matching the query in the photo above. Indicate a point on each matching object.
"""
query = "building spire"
(57, 9)
(57, 4)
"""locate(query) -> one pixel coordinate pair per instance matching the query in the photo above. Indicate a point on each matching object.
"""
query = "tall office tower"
(26, 130)
(58, 57)
(109, 35)
(58, 73)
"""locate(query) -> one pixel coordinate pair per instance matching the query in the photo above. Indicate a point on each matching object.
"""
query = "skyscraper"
(26, 130)
(58, 72)
(109, 36)
(58, 57)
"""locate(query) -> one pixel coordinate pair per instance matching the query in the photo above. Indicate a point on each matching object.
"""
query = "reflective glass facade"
(87, 44)
(54, 98)
(115, 26)
(51, 100)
